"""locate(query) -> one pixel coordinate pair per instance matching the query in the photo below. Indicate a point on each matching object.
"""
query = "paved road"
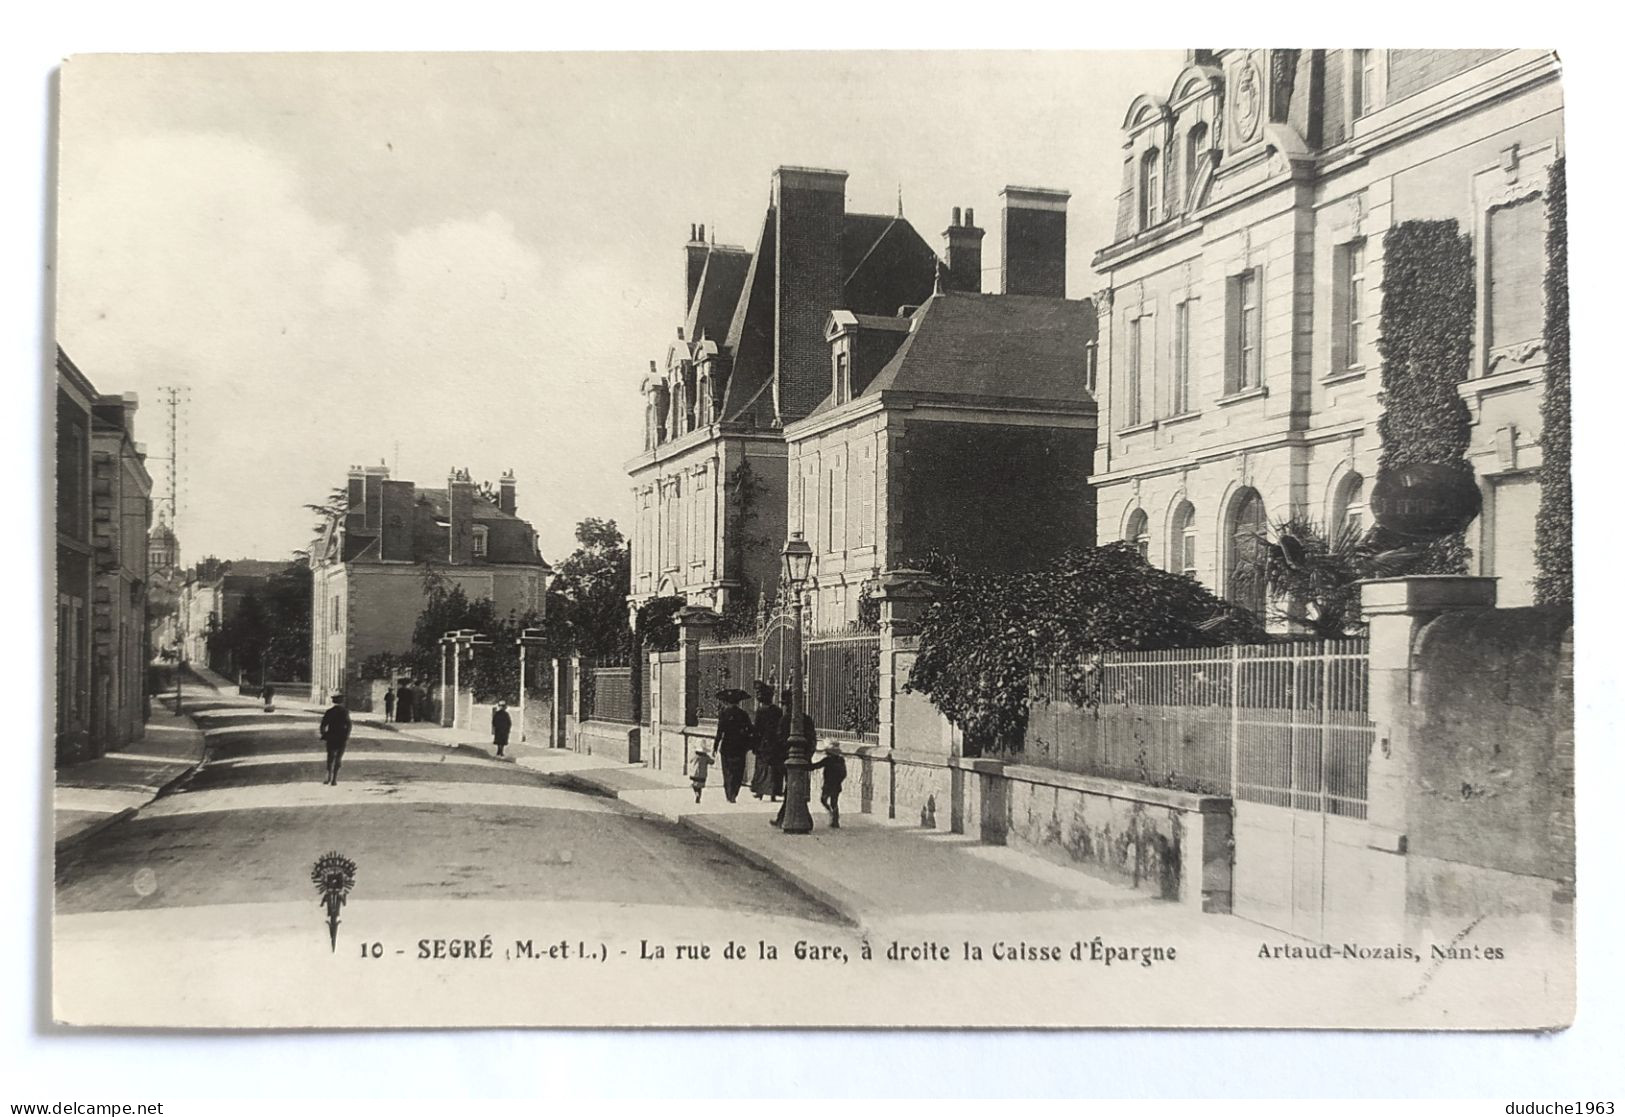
(167, 917)
(420, 820)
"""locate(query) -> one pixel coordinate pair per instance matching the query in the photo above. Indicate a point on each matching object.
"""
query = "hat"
(336, 698)
(502, 705)
(833, 746)
(732, 694)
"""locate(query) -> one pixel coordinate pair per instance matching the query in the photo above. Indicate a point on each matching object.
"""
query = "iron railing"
(843, 686)
(608, 692)
(1282, 724)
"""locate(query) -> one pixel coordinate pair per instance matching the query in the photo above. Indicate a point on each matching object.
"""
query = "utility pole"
(173, 400)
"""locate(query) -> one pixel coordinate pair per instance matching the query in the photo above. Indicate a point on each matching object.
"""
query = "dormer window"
(843, 377)
(1195, 149)
(1150, 188)
(482, 536)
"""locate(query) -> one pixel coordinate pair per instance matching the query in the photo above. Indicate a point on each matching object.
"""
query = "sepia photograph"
(843, 539)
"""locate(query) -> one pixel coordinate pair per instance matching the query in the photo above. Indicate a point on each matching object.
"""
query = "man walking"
(389, 704)
(335, 730)
(733, 740)
(501, 723)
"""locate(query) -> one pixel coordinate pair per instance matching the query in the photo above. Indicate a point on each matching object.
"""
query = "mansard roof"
(1025, 347)
(717, 294)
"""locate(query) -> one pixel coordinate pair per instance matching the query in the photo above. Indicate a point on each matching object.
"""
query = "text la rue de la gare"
(1095, 951)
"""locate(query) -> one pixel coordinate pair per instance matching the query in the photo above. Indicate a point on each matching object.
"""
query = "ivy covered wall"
(1427, 346)
(1554, 523)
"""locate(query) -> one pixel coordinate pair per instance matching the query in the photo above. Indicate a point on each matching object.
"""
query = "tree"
(988, 636)
(589, 591)
(657, 623)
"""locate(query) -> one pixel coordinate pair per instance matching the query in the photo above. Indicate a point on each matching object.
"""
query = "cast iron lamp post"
(798, 764)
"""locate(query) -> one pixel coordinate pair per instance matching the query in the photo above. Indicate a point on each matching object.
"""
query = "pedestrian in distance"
(733, 740)
(335, 731)
(834, 766)
(389, 704)
(701, 768)
(268, 693)
(766, 730)
(404, 703)
(501, 723)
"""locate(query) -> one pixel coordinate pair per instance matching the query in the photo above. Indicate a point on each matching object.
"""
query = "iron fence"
(608, 692)
(843, 686)
(1282, 724)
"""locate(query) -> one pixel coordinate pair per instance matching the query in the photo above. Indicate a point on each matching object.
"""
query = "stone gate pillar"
(694, 624)
(904, 596)
(1396, 609)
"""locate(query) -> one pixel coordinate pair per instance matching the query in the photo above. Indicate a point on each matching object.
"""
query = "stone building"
(211, 595)
(1244, 291)
(368, 568)
(710, 487)
(104, 507)
(965, 427)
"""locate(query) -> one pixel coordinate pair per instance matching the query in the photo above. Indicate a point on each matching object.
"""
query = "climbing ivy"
(1427, 345)
(1554, 523)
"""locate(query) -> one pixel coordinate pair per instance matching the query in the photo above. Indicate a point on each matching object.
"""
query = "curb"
(129, 812)
(839, 899)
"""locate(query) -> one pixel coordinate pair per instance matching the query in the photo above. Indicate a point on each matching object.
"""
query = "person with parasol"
(733, 740)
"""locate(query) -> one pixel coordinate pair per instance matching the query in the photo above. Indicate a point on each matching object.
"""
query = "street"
(447, 843)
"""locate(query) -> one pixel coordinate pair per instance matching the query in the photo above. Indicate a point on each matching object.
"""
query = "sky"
(439, 261)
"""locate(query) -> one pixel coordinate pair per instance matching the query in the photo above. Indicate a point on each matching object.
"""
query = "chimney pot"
(702, 233)
(970, 218)
(955, 221)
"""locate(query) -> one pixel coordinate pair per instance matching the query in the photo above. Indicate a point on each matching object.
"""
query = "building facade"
(710, 487)
(965, 428)
(369, 568)
(104, 508)
(1244, 291)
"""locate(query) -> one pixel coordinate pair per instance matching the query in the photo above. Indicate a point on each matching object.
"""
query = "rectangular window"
(1180, 397)
(835, 539)
(1348, 306)
(865, 482)
(1366, 75)
(1244, 350)
(1516, 262)
(482, 541)
(672, 517)
(1187, 551)
(843, 380)
(1141, 366)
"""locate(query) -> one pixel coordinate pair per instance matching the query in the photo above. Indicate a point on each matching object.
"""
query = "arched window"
(1246, 536)
(1195, 149)
(1348, 508)
(1139, 533)
(1182, 540)
(1150, 188)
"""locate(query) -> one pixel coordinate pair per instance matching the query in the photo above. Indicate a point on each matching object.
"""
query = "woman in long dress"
(765, 734)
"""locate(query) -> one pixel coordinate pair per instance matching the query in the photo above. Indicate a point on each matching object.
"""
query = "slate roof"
(717, 295)
(439, 503)
(1023, 347)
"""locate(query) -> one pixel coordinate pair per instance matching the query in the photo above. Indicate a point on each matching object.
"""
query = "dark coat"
(336, 725)
(769, 733)
(733, 732)
(501, 723)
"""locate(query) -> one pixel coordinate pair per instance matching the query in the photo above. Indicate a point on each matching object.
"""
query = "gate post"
(693, 623)
(1395, 609)
(904, 596)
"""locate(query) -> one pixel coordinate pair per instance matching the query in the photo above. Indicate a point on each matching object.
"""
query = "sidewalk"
(100, 792)
(886, 877)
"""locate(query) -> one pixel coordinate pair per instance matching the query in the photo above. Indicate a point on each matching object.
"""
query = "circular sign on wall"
(1424, 500)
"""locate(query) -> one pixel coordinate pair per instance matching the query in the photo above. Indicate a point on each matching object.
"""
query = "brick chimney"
(693, 263)
(810, 214)
(460, 513)
(355, 514)
(1034, 248)
(396, 521)
(373, 478)
(964, 252)
(508, 494)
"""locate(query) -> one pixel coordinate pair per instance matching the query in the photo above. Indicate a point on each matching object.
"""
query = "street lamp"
(798, 764)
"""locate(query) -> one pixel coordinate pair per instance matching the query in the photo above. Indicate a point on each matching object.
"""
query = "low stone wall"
(1173, 844)
(610, 739)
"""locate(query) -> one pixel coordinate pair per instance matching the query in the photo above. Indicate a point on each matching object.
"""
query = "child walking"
(834, 766)
(702, 765)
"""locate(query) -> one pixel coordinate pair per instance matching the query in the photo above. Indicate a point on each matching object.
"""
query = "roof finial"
(899, 199)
